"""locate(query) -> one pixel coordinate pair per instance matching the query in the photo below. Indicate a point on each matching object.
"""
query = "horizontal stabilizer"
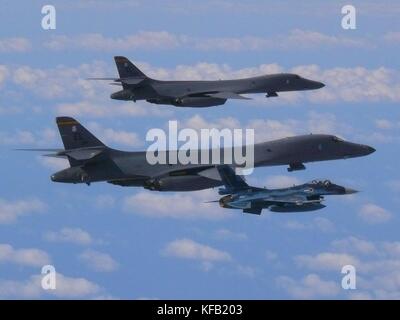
(77, 154)
(120, 81)
(227, 95)
(41, 150)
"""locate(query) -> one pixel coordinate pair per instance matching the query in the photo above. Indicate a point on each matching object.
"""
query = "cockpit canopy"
(337, 139)
(325, 183)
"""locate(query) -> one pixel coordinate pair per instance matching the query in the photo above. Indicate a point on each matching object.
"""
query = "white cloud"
(309, 287)
(3, 74)
(392, 248)
(354, 85)
(392, 37)
(326, 261)
(62, 81)
(26, 257)
(53, 163)
(191, 206)
(11, 210)
(373, 214)
(354, 244)
(42, 137)
(267, 130)
(189, 249)
(98, 261)
(69, 235)
(147, 40)
(225, 234)
(66, 287)
(112, 136)
(319, 223)
(163, 40)
(299, 39)
(377, 266)
(14, 45)
(93, 109)
(104, 201)
(384, 124)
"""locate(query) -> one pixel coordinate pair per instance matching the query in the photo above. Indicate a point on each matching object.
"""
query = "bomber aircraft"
(92, 161)
(137, 86)
(306, 197)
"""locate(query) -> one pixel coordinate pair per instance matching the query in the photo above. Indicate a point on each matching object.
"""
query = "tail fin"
(127, 69)
(74, 135)
(231, 181)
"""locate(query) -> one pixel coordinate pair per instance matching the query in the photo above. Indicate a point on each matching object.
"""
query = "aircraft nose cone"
(318, 85)
(370, 150)
(53, 178)
(366, 150)
(349, 191)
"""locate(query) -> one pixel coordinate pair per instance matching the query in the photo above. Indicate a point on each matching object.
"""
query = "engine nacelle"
(190, 101)
(71, 175)
(198, 102)
(181, 183)
(297, 208)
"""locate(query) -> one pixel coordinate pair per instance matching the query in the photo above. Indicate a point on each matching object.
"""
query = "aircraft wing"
(227, 95)
(291, 200)
(249, 201)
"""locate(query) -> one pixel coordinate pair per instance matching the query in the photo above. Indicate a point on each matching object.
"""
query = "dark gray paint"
(137, 86)
(92, 161)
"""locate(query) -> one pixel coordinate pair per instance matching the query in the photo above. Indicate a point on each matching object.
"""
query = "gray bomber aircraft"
(137, 86)
(301, 198)
(92, 161)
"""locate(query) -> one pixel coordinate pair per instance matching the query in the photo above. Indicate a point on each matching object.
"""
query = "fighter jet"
(301, 198)
(92, 161)
(137, 86)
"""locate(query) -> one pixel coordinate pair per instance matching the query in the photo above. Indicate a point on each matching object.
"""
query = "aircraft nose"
(368, 149)
(319, 85)
(371, 150)
(312, 85)
(53, 178)
(349, 191)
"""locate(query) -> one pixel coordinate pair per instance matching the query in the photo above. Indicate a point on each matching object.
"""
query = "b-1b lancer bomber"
(137, 86)
(92, 161)
(301, 198)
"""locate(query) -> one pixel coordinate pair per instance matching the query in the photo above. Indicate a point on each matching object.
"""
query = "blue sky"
(112, 242)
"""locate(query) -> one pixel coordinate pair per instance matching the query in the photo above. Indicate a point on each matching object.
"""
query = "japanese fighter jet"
(306, 197)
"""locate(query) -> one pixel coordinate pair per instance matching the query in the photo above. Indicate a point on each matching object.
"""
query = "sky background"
(111, 242)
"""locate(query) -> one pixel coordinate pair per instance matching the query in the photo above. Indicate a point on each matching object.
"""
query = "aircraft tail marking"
(74, 135)
(127, 69)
